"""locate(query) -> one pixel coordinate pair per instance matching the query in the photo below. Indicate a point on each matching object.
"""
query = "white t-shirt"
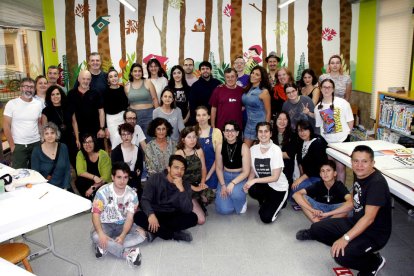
(334, 123)
(159, 85)
(264, 163)
(24, 120)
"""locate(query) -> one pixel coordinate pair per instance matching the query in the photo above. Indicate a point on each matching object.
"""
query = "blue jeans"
(324, 207)
(144, 118)
(113, 230)
(306, 183)
(235, 201)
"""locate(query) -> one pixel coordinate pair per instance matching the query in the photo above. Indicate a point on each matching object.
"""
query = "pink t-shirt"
(228, 103)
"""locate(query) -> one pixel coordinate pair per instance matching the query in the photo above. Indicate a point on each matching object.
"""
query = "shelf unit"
(393, 118)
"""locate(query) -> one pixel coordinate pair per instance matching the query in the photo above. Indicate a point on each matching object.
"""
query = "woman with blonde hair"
(343, 83)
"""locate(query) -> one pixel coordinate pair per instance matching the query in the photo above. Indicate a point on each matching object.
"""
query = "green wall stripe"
(50, 57)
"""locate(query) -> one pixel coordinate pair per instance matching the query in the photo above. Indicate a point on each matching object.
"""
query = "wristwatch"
(347, 238)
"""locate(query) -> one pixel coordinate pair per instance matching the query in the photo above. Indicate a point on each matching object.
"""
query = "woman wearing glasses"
(129, 153)
(334, 117)
(93, 167)
(232, 168)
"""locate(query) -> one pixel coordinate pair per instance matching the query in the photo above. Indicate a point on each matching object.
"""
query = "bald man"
(87, 111)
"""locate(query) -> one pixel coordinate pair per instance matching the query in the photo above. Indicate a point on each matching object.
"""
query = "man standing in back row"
(356, 240)
(188, 67)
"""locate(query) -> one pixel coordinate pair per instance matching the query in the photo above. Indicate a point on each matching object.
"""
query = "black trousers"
(169, 222)
(359, 253)
(270, 200)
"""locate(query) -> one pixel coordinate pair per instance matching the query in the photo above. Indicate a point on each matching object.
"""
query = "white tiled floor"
(225, 245)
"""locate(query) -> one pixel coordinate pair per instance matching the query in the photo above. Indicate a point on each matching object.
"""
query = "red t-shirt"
(228, 103)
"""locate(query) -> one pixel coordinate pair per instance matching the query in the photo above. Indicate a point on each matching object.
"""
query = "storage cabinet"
(393, 119)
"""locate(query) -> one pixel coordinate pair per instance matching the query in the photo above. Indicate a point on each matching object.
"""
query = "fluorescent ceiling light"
(128, 5)
(284, 4)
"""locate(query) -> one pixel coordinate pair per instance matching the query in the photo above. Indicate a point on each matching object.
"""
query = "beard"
(28, 95)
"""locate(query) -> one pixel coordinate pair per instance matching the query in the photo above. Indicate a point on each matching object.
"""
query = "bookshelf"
(393, 119)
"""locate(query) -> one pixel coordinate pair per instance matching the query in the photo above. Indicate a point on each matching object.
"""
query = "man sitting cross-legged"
(166, 204)
(113, 210)
(325, 198)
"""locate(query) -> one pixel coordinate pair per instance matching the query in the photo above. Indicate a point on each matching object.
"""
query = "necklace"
(62, 125)
(231, 151)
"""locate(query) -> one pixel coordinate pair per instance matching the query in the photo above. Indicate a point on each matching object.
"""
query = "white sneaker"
(134, 257)
(99, 252)
(244, 209)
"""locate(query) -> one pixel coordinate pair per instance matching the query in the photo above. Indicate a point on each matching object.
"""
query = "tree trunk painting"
(71, 47)
(220, 29)
(207, 33)
(182, 33)
(236, 42)
(87, 28)
(122, 31)
(163, 30)
(315, 52)
(264, 40)
(291, 37)
(278, 47)
(142, 8)
(103, 36)
(345, 30)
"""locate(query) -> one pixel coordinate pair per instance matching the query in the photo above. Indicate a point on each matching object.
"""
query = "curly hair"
(156, 123)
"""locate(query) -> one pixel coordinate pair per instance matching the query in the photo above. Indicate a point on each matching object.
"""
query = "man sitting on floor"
(166, 204)
(326, 198)
(113, 211)
(356, 240)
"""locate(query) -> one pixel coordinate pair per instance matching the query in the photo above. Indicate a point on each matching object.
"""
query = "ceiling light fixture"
(128, 5)
(284, 4)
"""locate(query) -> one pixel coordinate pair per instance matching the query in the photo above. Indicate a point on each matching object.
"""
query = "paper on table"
(405, 176)
(375, 145)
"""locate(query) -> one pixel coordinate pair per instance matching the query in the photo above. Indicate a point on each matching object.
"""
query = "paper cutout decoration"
(199, 26)
(100, 24)
(328, 34)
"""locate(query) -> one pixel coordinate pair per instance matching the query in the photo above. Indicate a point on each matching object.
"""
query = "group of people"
(196, 141)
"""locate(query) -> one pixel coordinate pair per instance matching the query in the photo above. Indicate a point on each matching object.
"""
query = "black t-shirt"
(115, 100)
(62, 118)
(336, 194)
(373, 190)
(98, 82)
(181, 99)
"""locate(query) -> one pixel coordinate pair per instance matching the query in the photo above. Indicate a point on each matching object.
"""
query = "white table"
(7, 268)
(27, 209)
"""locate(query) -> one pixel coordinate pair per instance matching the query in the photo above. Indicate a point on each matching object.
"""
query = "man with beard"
(21, 121)
(188, 67)
(272, 62)
(201, 90)
(99, 78)
(86, 107)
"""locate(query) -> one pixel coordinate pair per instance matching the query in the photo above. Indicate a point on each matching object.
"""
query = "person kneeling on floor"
(113, 211)
(326, 198)
(356, 240)
(167, 205)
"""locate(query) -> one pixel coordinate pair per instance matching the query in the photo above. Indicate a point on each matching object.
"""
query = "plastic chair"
(16, 253)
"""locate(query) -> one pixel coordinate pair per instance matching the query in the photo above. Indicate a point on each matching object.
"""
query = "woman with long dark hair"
(181, 90)
(309, 85)
(157, 76)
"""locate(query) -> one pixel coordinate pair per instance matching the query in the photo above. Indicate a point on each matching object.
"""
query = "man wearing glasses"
(21, 120)
(138, 137)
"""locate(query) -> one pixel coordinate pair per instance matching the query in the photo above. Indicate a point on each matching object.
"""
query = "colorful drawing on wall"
(281, 28)
(328, 34)
(254, 53)
(100, 24)
(217, 69)
(175, 4)
(81, 9)
(126, 66)
(228, 11)
(301, 67)
(199, 26)
(131, 26)
(163, 60)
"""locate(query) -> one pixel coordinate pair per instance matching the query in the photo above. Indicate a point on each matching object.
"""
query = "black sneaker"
(150, 236)
(381, 263)
(304, 235)
(182, 236)
(99, 252)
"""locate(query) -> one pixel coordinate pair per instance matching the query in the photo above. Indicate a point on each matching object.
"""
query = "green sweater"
(104, 165)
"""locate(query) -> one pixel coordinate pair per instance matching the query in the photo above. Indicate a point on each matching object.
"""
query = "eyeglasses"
(229, 131)
(87, 142)
(28, 86)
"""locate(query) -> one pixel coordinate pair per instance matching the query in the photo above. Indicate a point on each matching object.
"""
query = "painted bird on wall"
(199, 26)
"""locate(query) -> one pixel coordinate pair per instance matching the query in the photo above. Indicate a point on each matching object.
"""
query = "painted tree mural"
(236, 42)
(142, 9)
(163, 30)
(291, 37)
(220, 29)
(86, 26)
(182, 33)
(71, 47)
(207, 33)
(103, 37)
(315, 53)
(263, 12)
(122, 33)
(278, 47)
(345, 30)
